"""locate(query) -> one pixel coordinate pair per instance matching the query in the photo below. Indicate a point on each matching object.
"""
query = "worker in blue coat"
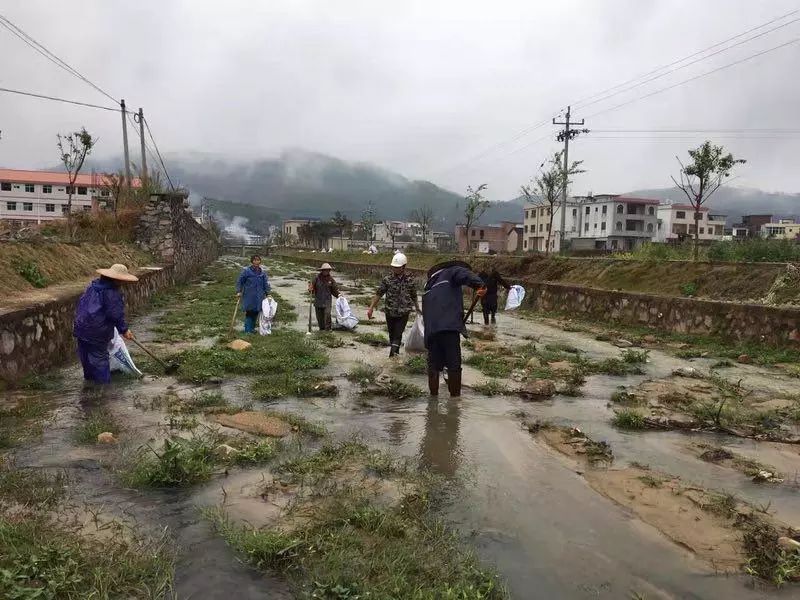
(100, 310)
(252, 287)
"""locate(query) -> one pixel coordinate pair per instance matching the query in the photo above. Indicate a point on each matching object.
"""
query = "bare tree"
(390, 232)
(703, 176)
(547, 186)
(424, 216)
(74, 148)
(474, 209)
(344, 225)
(368, 220)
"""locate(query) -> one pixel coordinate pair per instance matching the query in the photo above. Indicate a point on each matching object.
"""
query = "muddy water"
(522, 505)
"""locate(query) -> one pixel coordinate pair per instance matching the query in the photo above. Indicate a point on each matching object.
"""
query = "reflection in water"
(440, 450)
(397, 430)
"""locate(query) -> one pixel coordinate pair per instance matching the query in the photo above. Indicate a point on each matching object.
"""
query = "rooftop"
(55, 178)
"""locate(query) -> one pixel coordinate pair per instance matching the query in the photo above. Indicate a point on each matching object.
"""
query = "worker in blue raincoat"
(252, 287)
(101, 308)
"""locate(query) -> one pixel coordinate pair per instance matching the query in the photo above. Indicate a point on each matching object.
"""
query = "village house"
(28, 197)
(783, 229)
(676, 223)
(505, 237)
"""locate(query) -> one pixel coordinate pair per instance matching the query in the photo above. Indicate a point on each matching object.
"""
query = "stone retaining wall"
(38, 337)
(748, 322)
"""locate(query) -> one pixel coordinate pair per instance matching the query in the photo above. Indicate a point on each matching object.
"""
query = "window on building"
(47, 189)
(105, 193)
(595, 226)
(620, 209)
(547, 226)
(651, 210)
(680, 214)
(541, 227)
(587, 210)
(659, 225)
(5, 186)
(473, 233)
(11, 206)
(605, 209)
(525, 244)
(541, 212)
(595, 209)
(81, 190)
(49, 208)
(603, 226)
(28, 206)
(481, 233)
(29, 188)
(549, 211)
(586, 227)
(650, 228)
(525, 229)
(702, 230)
(87, 208)
(70, 190)
(574, 212)
(619, 225)
(64, 209)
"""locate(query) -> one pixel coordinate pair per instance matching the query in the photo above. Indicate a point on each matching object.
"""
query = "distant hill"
(735, 201)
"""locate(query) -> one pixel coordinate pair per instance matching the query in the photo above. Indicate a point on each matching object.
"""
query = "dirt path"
(526, 508)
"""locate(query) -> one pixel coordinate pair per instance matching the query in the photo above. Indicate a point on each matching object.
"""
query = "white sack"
(515, 297)
(119, 358)
(415, 340)
(344, 315)
(268, 309)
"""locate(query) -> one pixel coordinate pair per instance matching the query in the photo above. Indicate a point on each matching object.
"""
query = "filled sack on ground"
(344, 316)
(516, 294)
(119, 358)
(268, 309)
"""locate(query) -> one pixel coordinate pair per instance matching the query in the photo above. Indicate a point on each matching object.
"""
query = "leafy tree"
(474, 208)
(345, 225)
(707, 171)
(424, 216)
(368, 220)
(73, 149)
(548, 185)
(305, 234)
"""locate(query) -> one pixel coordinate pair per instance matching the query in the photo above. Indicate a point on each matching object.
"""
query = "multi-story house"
(35, 196)
(783, 229)
(291, 229)
(750, 226)
(676, 223)
(536, 226)
(505, 237)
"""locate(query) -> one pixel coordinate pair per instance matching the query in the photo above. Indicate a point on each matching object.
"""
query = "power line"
(669, 130)
(56, 99)
(161, 160)
(41, 49)
(696, 77)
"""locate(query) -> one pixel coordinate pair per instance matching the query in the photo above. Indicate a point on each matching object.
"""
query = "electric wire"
(57, 99)
(158, 152)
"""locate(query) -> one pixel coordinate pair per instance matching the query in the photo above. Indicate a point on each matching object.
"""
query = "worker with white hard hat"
(401, 299)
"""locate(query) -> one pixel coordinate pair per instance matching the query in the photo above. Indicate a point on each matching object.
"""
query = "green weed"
(766, 559)
(491, 364)
(30, 272)
(722, 505)
(393, 388)
(651, 480)
(628, 418)
(372, 339)
(98, 421)
(632, 356)
(363, 372)
(329, 339)
(491, 387)
(292, 384)
(180, 462)
(29, 487)
(416, 365)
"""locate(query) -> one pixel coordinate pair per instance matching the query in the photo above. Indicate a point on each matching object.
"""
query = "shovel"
(310, 304)
(233, 319)
(169, 369)
(475, 299)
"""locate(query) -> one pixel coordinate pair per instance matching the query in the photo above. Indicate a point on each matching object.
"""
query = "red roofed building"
(35, 196)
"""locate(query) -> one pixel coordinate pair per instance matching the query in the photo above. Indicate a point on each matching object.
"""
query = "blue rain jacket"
(253, 285)
(100, 309)
(443, 302)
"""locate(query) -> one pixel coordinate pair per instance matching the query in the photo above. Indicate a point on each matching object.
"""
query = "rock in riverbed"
(538, 389)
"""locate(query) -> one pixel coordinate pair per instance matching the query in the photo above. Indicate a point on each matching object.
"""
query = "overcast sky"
(420, 87)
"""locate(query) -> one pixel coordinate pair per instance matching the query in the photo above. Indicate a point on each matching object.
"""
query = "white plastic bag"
(344, 315)
(515, 297)
(119, 359)
(268, 309)
(415, 340)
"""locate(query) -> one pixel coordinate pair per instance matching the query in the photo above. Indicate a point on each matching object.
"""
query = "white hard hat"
(399, 260)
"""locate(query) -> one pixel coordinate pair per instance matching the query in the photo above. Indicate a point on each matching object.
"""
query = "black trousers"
(323, 317)
(444, 351)
(396, 326)
(489, 305)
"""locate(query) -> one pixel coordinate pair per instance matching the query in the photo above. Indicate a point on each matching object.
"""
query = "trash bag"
(119, 359)
(516, 294)
(415, 340)
(345, 319)
(268, 309)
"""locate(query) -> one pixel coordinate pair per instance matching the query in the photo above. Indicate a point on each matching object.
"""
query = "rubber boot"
(433, 382)
(454, 383)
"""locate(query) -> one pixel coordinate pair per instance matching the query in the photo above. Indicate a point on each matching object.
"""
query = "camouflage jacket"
(401, 295)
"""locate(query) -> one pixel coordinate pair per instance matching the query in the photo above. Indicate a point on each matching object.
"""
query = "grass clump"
(285, 351)
(363, 372)
(625, 397)
(21, 422)
(208, 401)
(300, 386)
(722, 505)
(30, 272)
(651, 480)
(491, 387)
(99, 421)
(632, 356)
(616, 367)
(299, 422)
(766, 559)
(329, 339)
(491, 365)
(393, 388)
(30, 488)
(416, 365)
(628, 418)
(180, 462)
(373, 339)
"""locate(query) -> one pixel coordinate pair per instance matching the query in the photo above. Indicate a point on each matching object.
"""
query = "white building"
(34, 196)
(783, 229)
(676, 223)
(601, 222)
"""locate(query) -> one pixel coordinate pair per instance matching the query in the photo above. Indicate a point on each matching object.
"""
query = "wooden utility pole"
(144, 148)
(564, 136)
(125, 142)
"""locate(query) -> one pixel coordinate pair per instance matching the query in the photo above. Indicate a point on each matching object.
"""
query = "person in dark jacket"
(323, 288)
(443, 314)
(252, 287)
(401, 299)
(491, 279)
(101, 308)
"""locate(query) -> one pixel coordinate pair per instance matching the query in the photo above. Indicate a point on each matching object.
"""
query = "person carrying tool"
(323, 288)
(491, 279)
(252, 287)
(401, 298)
(100, 309)
(443, 313)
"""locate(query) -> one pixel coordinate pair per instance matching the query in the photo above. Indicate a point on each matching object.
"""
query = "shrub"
(627, 418)
(30, 272)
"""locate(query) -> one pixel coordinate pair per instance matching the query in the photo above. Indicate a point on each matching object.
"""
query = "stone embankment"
(736, 320)
(39, 336)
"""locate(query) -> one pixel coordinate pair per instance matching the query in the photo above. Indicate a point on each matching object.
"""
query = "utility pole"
(125, 142)
(565, 135)
(144, 150)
